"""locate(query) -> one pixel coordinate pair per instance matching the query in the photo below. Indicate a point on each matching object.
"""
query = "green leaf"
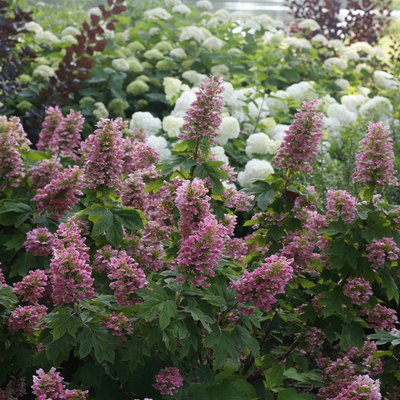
(307, 378)
(128, 217)
(376, 230)
(25, 262)
(291, 394)
(14, 213)
(60, 347)
(340, 252)
(198, 315)
(223, 343)
(168, 311)
(7, 298)
(334, 301)
(172, 163)
(354, 333)
(181, 146)
(103, 223)
(64, 322)
(264, 198)
(86, 342)
(274, 376)
(247, 341)
(334, 228)
(134, 350)
(392, 291)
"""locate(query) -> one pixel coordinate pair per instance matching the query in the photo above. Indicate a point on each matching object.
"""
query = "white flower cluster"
(171, 3)
(377, 109)
(220, 70)
(95, 11)
(260, 143)
(47, 38)
(339, 63)
(342, 114)
(157, 13)
(319, 38)
(183, 103)
(172, 87)
(280, 131)
(229, 129)
(353, 102)
(255, 169)
(219, 154)
(193, 77)
(145, 120)
(120, 64)
(310, 24)
(205, 5)
(160, 145)
(192, 33)
(70, 30)
(100, 111)
(172, 125)
(297, 43)
(181, 9)
(178, 53)
(43, 72)
(385, 80)
(33, 27)
(302, 91)
(213, 43)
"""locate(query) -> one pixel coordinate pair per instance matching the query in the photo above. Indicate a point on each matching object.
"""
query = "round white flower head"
(325, 101)
(46, 37)
(343, 84)
(205, 5)
(68, 38)
(360, 67)
(339, 63)
(332, 125)
(251, 24)
(172, 87)
(157, 13)
(171, 3)
(361, 47)
(213, 43)
(43, 72)
(154, 31)
(216, 22)
(220, 70)
(134, 65)
(222, 13)
(193, 77)
(183, 103)
(377, 109)
(385, 80)
(160, 145)
(297, 43)
(95, 11)
(172, 125)
(265, 21)
(228, 91)
(259, 143)
(336, 44)
(378, 53)
(319, 38)
(280, 131)
(302, 91)
(229, 129)
(145, 120)
(33, 27)
(363, 90)
(340, 111)
(206, 32)
(352, 102)
(351, 54)
(192, 32)
(219, 154)
(269, 125)
(240, 16)
(310, 24)
(258, 109)
(100, 111)
(255, 169)
(181, 9)
(70, 30)
(120, 64)
(153, 54)
(178, 53)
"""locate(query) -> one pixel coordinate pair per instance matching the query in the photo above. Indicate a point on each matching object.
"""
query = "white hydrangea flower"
(43, 72)
(378, 53)
(265, 21)
(171, 3)
(255, 169)
(192, 32)
(336, 44)
(153, 54)
(258, 109)
(213, 43)
(70, 30)
(351, 54)
(157, 13)
(172, 125)
(145, 120)
(69, 38)
(332, 125)
(220, 70)
(353, 102)
(219, 154)
(240, 16)
(216, 22)
(160, 145)
(310, 24)
(260, 143)
(343, 84)
(251, 24)
(172, 87)
(206, 32)
(205, 5)
(362, 66)
(302, 91)
(47, 37)
(222, 13)
(95, 11)
(228, 91)
(100, 111)
(154, 31)
(229, 129)
(325, 101)
(340, 111)
(183, 103)
(181, 9)
(276, 38)
(385, 80)
(33, 27)
(362, 46)
(319, 38)
(120, 64)
(339, 63)
(297, 43)
(377, 109)
(280, 132)
(179, 53)
(363, 90)
(193, 77)
(269, 125)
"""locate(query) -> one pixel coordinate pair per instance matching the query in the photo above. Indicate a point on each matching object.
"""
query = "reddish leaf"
(86, 26)
(95, 19)
(102, 8)
(110, 2)
(110, 26)
(106, 14)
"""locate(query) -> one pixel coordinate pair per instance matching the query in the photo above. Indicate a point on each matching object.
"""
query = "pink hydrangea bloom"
(341, 204)
(76, 394)
(47, 138)
(14, 127)
(138, 155)
(381, 250)
(128, 279)
(358, 289)
(374, 161)
(168, 380)
(362, 388)
(48, 386)
(263, 284)
(203, 118)
(39, 242)
(2, 279)
(103, 257)
(15, 388)
(26, 318)
(118, 325)
(233, 198)
(315, 338)
(382, 318)
(365, 359)
(60, 194)
(103, 154)
(32, 286)
(200, 252)
(44, 173)
(300, 145)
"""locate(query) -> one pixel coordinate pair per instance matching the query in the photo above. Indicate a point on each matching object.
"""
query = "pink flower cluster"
(200, 252)
(39, 242)
(261, 285)
(118, 325)
(381, 250)
(233, 198)
(138, 155)
(59, 195)
(15, 388)
(315, 337)
(300, 145)
(26, 318)
(103, 154)
(14, 127)
(374, 161)
(203, 118)
(103, 257)
(44, 173)
(32, 286)
(341, 204)
(128, 279)
(358, 289)
(168, 380)
(76, 394)
(362, 388)
(50, 124)
(382, 318)
(2, 279)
